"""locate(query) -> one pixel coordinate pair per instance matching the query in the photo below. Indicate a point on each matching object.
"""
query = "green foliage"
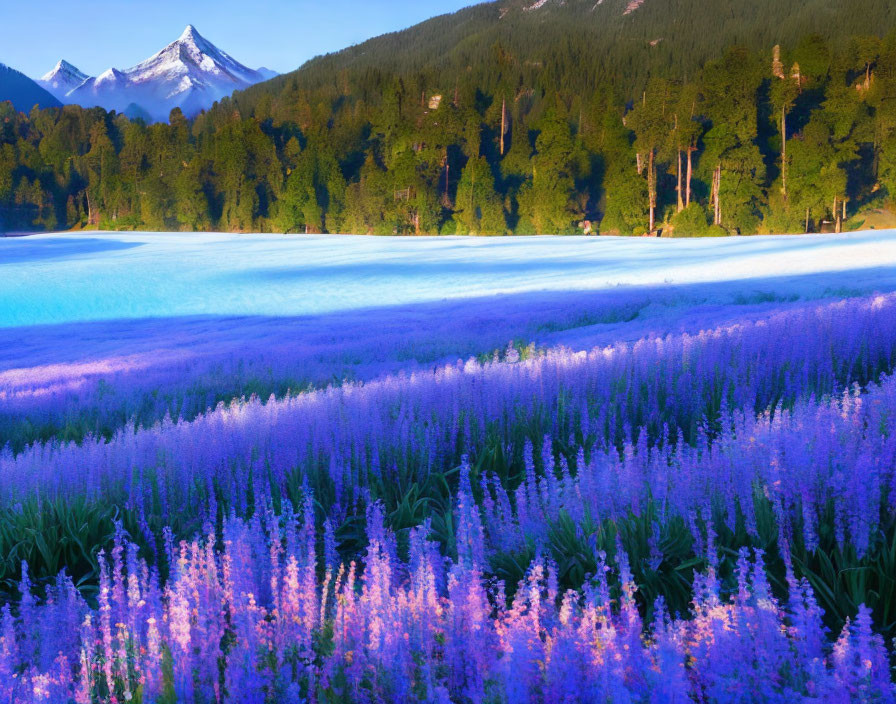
(546, 200)
(626, 204)
(478, 210)
(527, 122)
(625, 192)
(691, 222)
(52, 536)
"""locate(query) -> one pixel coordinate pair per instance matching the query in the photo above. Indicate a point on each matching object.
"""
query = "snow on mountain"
(111, 76)
(63, 79)
(191, 73)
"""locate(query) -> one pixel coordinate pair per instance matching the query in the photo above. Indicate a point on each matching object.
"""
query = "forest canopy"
(491, 139)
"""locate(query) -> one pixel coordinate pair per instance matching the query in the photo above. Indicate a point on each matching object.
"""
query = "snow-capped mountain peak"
(63, 69)
(190, 73)
(112, 75)
(62, 79)
(193, 55)
(189, 33)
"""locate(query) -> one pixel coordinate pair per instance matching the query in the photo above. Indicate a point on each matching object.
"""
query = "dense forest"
(502, 120)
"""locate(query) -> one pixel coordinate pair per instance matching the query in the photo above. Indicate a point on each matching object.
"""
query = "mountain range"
(634, 38)
(190, 73)
(522, 116)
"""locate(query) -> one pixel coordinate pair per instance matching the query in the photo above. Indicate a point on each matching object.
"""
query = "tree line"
(793, 139)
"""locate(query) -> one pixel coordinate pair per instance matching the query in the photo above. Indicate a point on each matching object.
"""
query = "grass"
(69, 533)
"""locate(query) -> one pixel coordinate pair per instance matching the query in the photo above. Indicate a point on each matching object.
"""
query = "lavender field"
(264, 469)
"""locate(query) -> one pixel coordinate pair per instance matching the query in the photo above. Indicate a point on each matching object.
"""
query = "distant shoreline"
(12, 235)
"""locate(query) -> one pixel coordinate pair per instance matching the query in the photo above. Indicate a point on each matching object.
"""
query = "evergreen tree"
(509, 136)
(478, 210)
(102, 171)
(547, 199)
(785, 89)
(652, 121)
(298, 207)
(737, 170)
(626, 197)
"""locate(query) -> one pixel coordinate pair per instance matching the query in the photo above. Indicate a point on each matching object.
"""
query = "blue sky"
(280, 34)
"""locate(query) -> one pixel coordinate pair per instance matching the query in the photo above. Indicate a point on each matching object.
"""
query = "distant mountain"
(267, 73)
(135, 112)
(22, 91)
(63, 79)
(191, 73)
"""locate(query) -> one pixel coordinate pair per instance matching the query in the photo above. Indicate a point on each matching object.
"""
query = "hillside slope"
(599, 38)
(24, 93)
(557, 116)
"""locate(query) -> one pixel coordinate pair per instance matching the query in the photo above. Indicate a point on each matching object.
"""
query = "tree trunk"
(690, 177)
(447, 171)
(784, 153)
(472, 195)
(90, 213)
(807, 221)
(651, 189)
(503, 123)
(717, 188)
(680, 195)
(719, 198)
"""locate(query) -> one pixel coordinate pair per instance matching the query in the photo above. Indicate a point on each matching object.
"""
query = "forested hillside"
(581, 44)
(507, 117)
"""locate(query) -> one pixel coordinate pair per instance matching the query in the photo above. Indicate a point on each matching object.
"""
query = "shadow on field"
(31, 250)
(379, 340)
(724, 253)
